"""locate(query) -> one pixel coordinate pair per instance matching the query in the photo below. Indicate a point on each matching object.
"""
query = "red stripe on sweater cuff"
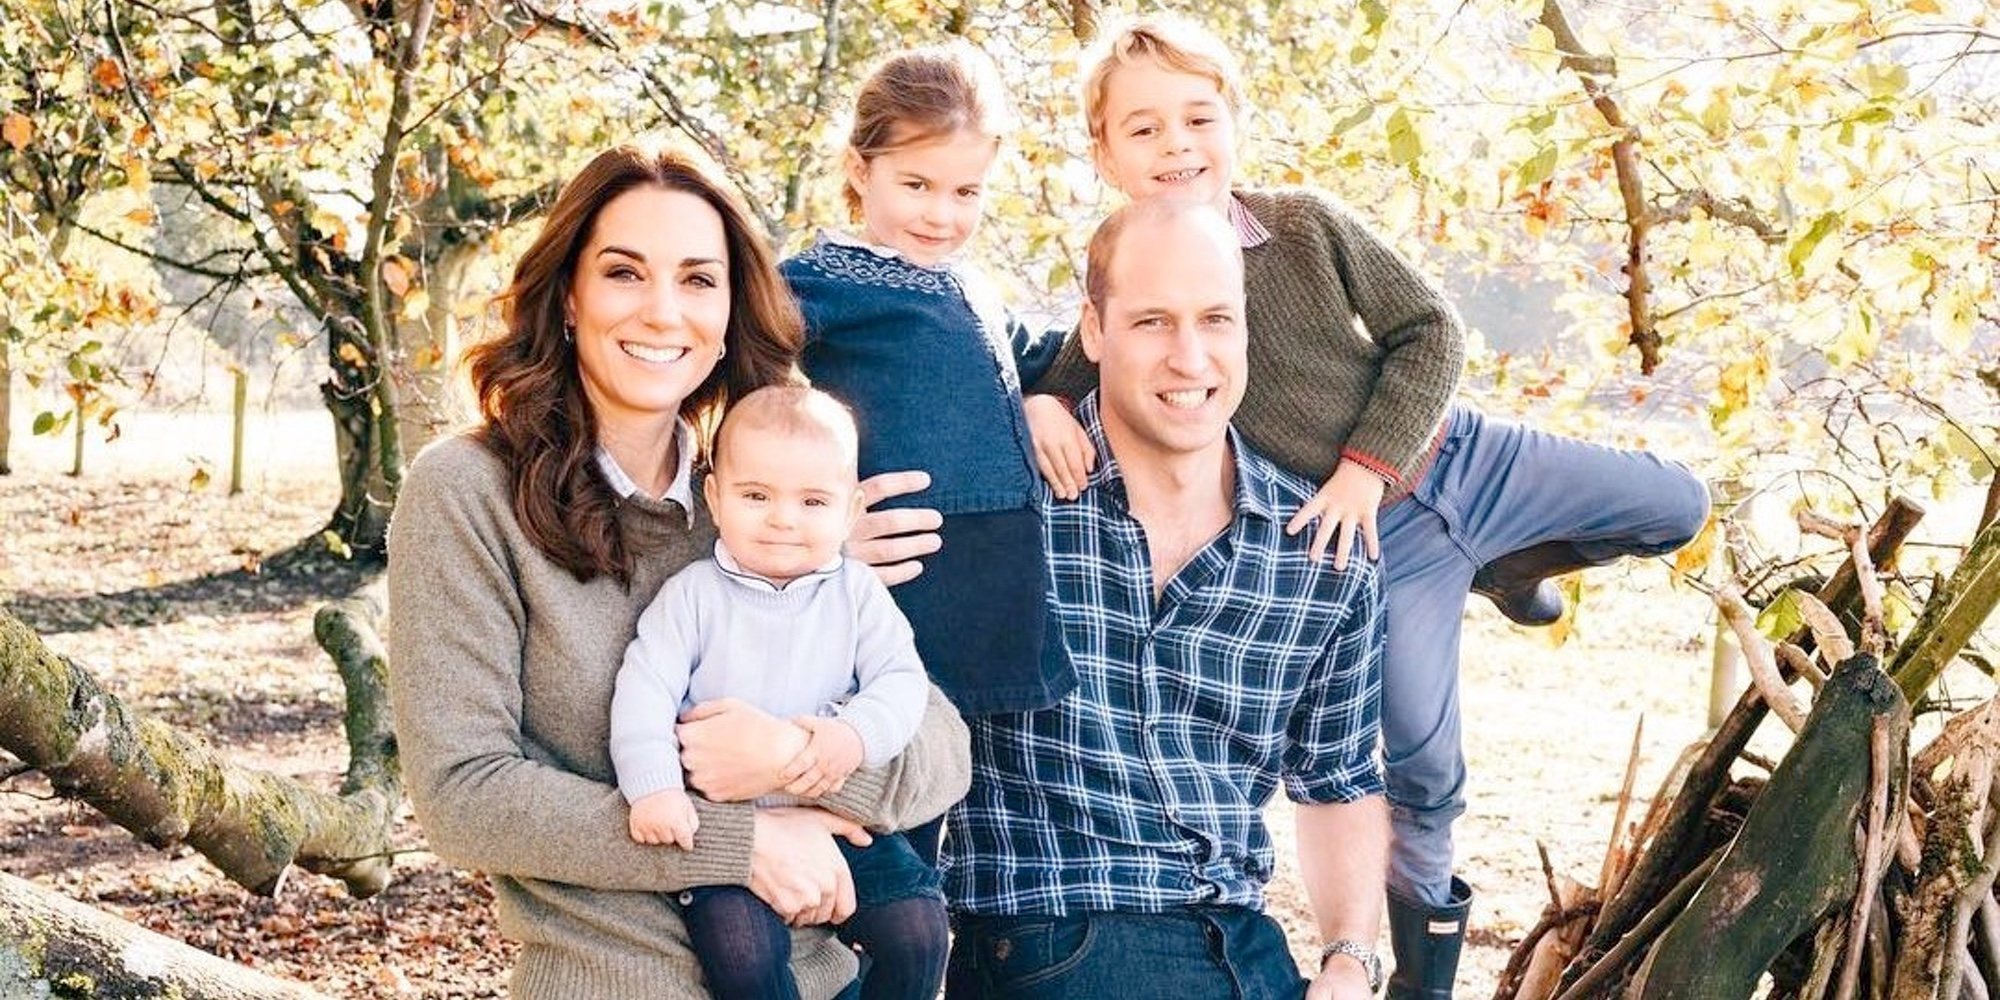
(1374, 465)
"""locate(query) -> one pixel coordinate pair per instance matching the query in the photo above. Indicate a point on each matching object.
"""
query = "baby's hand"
(1063, 451)
(832, 753)
(665, 817)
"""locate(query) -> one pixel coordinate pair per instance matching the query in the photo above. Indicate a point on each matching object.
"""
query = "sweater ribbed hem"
(733, 824)
(550, 974)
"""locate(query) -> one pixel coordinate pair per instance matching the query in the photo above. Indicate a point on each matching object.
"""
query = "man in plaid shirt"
(1113, 844)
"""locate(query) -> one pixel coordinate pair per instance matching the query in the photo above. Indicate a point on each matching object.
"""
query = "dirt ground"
(149, 583)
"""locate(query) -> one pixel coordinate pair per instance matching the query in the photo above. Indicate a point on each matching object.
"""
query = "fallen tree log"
(1796, 858)
(54, 946)
(168, 787)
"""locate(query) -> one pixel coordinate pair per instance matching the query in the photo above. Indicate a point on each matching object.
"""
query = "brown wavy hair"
(536, 417)
(923, 95)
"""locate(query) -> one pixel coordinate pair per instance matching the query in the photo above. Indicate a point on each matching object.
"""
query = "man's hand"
(1063, 451)
(665, 817)
(1341, 978)
(796, 869)
(1347, 503)
(733, 751)
(891, 540)
(832, 752)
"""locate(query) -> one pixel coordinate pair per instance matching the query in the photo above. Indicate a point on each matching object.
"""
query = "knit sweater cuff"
(724, 839)
(863, 788)
(1375, 465)
(877, 746)
(637, 785)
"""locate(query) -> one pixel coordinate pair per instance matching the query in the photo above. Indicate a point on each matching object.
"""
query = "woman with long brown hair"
(521, 555)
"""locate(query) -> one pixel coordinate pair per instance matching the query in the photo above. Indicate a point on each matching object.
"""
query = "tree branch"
(157, 257)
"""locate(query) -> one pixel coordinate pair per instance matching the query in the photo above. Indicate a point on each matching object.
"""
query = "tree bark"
(6, 403)
(168, 787)
(1795, 858)
(53, 946)
(433, 400)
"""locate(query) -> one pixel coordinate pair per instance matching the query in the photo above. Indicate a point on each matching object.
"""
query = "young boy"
(1355, 358)
(781, 620)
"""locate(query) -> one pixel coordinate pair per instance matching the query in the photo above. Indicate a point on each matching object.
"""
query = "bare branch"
(1758, 655)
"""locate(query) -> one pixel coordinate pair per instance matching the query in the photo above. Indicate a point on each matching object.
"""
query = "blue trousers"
(1210, 952)
(1495, 488)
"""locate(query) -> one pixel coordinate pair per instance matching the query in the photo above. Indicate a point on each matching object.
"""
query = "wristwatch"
(1371, 963)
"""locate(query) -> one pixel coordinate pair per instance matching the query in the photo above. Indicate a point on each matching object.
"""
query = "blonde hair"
(1173, 42)
(793, 411)
(921, 95)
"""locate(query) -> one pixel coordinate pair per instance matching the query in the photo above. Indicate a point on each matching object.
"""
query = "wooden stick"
(1802, 663)
(1979, 889)
(1986, 929)
(1758, 655)
(1612, 965)
(1611, 869)
(1827, 631)
(1874, 635)
(1869, 882)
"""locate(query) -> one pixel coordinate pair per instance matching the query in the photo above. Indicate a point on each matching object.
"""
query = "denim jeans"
(1495, 488)
(1211, 952)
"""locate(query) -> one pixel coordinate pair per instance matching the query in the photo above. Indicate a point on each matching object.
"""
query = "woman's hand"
(891, 540)
(734, 752)
(796, 868)
(1063, 451)
(1347, 503)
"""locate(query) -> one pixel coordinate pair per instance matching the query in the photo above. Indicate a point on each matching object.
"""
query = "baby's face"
(783, 504)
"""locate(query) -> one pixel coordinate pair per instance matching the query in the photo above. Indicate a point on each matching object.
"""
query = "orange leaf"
(352, 355)
(108, 75)
(396, 275)
(18, 130)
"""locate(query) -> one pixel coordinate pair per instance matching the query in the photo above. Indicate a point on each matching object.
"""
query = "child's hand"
(665, 817)
(1063, 450)
(832, 753)
(1348, 501)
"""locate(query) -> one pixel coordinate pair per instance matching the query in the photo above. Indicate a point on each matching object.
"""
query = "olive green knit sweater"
(1353, 352)
(503, 665)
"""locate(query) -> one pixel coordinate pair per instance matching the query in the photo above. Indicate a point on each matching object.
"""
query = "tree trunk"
(1796, 857)
(433, 400)
(53, 946)
(361, 521)
(6, 403)
(168, 787)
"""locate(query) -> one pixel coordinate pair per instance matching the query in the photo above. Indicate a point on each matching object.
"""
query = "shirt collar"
(838, 238)
(735, 571)
(1257, 492)
(680, 489)
(1249, 232)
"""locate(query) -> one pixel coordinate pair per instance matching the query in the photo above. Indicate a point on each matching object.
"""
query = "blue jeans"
(745, 949)
(1211, 952)
(1495, 488)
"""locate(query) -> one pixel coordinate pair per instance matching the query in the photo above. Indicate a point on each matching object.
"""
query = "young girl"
(1466, 503)
(907, 332)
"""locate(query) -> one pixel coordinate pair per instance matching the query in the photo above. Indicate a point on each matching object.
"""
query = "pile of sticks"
(1839, 871)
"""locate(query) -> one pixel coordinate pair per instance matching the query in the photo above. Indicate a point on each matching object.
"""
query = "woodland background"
(1759, 236)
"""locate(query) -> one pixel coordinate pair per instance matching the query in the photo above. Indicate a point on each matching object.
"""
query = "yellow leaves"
(1811, 255)
(17, 130)
(1541, 50)
(1953, 313)
(1405, 145)
(138, 175)
(1923, 7)
(1857, 341)
(142, 215)
(415, 304)
(1740, 382)
(1695, 555)
(351, 354)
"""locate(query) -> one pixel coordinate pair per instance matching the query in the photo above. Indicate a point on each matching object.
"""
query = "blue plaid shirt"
(1144, 788)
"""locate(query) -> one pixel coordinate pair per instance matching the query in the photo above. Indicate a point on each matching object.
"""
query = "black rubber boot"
(1518, 583)
(1427, 940)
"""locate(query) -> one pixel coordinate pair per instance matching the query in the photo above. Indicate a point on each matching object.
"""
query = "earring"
(721, 350)
(569, 332)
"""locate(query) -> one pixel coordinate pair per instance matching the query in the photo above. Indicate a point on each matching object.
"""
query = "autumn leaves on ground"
(155, 588)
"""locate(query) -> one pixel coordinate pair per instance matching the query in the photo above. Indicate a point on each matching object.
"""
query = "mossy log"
(53, 946)
(168, 787)
(1797, 856)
